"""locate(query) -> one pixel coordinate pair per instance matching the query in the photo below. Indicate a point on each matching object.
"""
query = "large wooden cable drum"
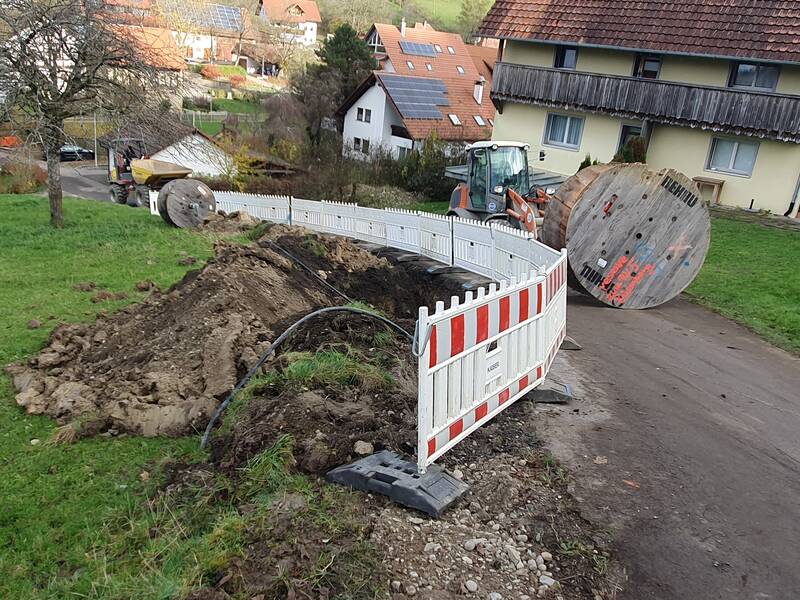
(636, 238)
(185, 203)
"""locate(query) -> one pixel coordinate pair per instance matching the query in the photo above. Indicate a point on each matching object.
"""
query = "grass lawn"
(236, 106)
(751, 276)
(211, 129)
(438, 207)
(57, 500)
(441, 12)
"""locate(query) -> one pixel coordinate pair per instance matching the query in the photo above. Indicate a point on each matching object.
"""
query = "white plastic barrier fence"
(473, 246)
(484, 354)
(479, 355)
(339, 218)
(436, 237)
(267, 208)
(403, 229)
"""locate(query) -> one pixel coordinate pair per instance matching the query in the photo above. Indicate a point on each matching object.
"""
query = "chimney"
(477, 93)
(403, 27)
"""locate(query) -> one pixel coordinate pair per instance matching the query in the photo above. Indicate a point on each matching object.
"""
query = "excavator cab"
(493, 184)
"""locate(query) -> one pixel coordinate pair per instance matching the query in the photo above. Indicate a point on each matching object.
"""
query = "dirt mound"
(235, 222)
(161, 367)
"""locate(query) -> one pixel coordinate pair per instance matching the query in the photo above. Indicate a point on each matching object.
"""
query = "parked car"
(75, 153)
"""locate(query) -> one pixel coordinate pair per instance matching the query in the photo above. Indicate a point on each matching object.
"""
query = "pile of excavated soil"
(162, 366)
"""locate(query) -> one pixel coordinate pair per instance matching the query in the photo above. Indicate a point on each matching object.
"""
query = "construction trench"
(339, 387)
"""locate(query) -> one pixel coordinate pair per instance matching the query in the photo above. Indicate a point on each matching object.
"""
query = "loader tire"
(118, 194)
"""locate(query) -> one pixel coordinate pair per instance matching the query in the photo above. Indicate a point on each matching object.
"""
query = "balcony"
(731, 111)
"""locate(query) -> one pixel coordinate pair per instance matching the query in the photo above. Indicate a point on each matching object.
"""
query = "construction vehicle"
(496, 185)
(635, 237)
(131, 174)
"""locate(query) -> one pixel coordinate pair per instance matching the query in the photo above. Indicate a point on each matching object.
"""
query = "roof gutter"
(639, 50)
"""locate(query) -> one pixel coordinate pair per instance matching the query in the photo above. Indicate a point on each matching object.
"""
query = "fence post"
(425, 391)
(291, 202)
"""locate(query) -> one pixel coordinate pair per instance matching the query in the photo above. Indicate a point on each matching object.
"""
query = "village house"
(428, 81)
(712, 88)
(299, 19)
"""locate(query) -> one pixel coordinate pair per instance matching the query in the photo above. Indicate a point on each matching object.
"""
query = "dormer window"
(451, 50)
(429, 66)
(754, 76)
(438, 48)
(460, 69)
(479, 120)
(454, 119)
(410, 65)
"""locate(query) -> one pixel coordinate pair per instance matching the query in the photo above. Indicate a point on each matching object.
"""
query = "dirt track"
(699, 422)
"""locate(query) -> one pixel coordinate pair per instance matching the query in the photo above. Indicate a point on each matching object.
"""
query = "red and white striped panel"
(556, 280)
(442, 440)
(461, 332)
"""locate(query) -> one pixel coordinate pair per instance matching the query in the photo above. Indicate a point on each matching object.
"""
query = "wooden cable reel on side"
(636, 238)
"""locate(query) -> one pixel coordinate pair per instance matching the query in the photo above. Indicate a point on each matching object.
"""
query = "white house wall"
(198, 154)
(379, 130)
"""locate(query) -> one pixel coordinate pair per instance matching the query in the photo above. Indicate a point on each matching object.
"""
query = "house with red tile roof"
(300, 18)
(429, 81)
(708, 87)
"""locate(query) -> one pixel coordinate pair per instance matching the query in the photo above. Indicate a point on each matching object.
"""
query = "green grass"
(228, 70)
(210, 129)
(236, 106)
(438, 207)
(55, 499)
(751, 276)
(332, 368)
(443, 13)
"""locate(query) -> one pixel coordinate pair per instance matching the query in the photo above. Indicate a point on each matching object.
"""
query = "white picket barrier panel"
(260, 206)
(403, 229)
(309, 214)
(339, 218)
(436, 237)
(371, 225)
(153, 197)
(511, 252)
(473, 246)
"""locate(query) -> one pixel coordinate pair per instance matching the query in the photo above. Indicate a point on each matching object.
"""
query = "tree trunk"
(54, 139)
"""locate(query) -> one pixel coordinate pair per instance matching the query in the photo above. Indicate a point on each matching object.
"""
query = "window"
(647, 66)
(479, 120)
(732, 156)
(429, 66)
(566, 57)
(491, 122)
(454, 119)
(403, 152)
(438, 48)
(628, 132)
(365, 146)
(564, 131)
(410, 65)
(460, 69)
(754, 76)
(357, 144)
(451, 50)
(364, 114)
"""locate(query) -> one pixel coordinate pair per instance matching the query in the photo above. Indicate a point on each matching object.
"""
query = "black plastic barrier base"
(386, 473)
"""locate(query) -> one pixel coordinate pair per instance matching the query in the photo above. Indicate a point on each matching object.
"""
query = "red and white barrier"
(484, 354)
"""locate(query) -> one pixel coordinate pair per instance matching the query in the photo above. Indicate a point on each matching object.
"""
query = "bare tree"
(63, 58)
(183, 18)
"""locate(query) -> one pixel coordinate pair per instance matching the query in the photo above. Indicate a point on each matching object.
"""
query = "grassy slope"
(751, 276)
(54, 499)
(442, 12)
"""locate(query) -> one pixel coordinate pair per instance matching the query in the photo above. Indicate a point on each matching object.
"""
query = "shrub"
(634, 151)
(286, 150)
(237, 80)
(211, 72)
(588, 162)
(20, 176)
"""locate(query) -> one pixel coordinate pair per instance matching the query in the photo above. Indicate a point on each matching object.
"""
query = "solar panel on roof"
(207, 16)
(416, 97)
(417, 49)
